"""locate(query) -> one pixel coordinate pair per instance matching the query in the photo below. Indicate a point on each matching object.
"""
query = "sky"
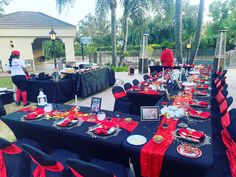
(72, 15)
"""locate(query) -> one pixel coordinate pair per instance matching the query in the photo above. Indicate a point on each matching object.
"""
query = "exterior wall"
(23, 39)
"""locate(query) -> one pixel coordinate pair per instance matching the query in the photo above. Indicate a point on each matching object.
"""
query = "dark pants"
(20, 82)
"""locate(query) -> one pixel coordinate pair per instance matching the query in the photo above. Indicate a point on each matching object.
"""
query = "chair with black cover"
(95, 168)
(145, 77)
(54, 164)
(135, 82)
(14, 162)
(127, 86)
(2, 109)
(153, 73)
(122, 102)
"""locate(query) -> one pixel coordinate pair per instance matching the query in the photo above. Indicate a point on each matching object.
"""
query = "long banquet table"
(75, 139)
(174, 164)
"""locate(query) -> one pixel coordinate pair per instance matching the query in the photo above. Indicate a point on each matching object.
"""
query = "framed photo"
(96, 104)
(150, 113)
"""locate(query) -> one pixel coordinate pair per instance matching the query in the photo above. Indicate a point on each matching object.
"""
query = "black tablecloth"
(173, 163)
(57, 92)
(75, 139)
(159, 68)
(95, 81)
(6, 97)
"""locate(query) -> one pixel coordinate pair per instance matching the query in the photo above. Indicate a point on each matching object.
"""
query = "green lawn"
(6, 82)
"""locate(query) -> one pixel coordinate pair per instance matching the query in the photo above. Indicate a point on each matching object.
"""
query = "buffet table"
(57, 92)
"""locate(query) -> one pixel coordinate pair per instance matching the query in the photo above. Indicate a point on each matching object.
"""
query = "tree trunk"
(124, 47)
(178, 31)
(113, 5)
(197, 37)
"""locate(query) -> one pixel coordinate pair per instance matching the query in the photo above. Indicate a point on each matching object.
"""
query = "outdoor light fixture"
(188, 46)
(53, 38)
(11, 44)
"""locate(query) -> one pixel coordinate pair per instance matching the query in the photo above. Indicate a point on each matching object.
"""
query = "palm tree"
(64, 3)
(2, 4)
(102, 8)
(197, 38)
(178, 31)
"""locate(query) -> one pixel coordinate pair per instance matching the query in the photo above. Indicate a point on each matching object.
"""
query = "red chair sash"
(225, 120)
(12, 149)
(40, 171)
(218, 84)
(216, 80)
(119, 95)
(220, 97)
(223, 106)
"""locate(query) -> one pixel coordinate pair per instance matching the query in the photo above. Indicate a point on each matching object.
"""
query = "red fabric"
(75, 173)
(225, 120)
(152, 153)
(18, 94)
(216, 80)
(12, 149)
(223, 106)
(34, 114)
(27, 77)
(119, 95)
(149, 92)
(15, 52)
(167, 58)
(218, 84)
(24, 96)
(202, 103)
(231, 150)
(220, 97)
(203, 115)
(192, 134)
(40, 171)
(26, 109)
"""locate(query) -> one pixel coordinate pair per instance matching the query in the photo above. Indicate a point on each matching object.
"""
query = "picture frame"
(95, 104)
(150, 113)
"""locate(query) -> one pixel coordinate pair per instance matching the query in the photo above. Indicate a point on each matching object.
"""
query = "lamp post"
(53, 38)
(188, 49)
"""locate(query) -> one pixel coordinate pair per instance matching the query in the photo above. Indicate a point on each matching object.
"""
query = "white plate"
(188, 84)
(136, 139)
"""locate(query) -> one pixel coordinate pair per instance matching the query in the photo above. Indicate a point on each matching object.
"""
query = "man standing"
(167, 57)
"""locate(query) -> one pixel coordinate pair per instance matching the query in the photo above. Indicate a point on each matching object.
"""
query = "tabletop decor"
(150, 113)
(189, 151)
(96, 104)
(42, 98)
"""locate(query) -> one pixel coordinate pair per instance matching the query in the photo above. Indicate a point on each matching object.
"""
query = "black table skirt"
(57, 92)
(7, 97)
(159, 68)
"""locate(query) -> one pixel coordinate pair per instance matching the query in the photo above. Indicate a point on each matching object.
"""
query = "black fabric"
(40, 157)
(17, 165)
(121, 104)
(2, 109)
(88, 169)
(57, 92)
(135, 82)
(20, 82)
(6, 97)
(145, 77)
(93, 82)
(117, 89)
(127, 86)
(75, 139)
(117, 169)
(28, 141)
(232, 126)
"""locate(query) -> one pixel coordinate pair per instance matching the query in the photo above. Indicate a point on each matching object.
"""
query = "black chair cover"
(127, 86)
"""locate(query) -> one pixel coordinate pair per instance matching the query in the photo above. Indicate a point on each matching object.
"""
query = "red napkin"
(65, 122)
(202, 86)
(200, 92)
(26, 109)
(34, 114)
(103, 130)
(203, 115)
(192, 134)
(201, 103)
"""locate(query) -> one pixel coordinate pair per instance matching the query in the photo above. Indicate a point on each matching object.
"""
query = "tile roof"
(29, 19)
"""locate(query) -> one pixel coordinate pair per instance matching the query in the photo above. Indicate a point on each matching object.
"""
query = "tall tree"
(178, 30)
(61, 4)
(2, 4)
(197, 38)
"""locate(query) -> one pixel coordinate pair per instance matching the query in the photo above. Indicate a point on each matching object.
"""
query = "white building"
(26, 31)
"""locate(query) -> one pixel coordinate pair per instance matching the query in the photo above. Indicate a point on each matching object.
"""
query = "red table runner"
(152, 153)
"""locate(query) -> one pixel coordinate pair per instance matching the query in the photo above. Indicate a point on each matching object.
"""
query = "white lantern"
(42, 98)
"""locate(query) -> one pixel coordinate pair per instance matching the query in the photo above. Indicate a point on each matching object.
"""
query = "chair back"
(221, 96)
(225, 105)
(43, 164)
(145, 77)
(14, 162)
(84, 169)
(127, 86)
(135, 82)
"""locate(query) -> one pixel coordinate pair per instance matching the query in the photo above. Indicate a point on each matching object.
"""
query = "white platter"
(136, 140)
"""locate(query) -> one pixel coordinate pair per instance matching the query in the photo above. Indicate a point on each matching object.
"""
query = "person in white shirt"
(19, 73)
